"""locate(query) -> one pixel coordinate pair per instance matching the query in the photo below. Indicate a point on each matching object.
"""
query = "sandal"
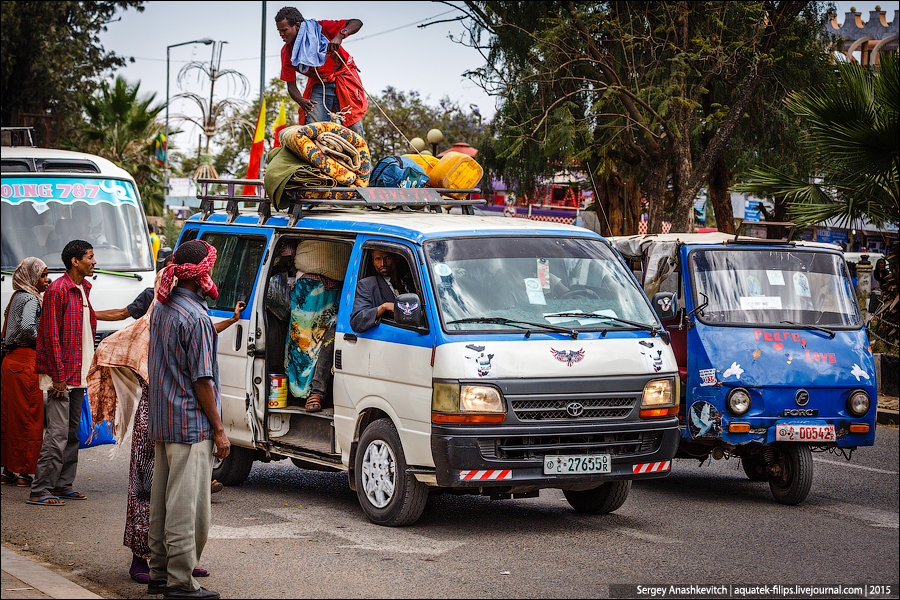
(214, 487)
(198, 572)
(24, 481)
(5, 478)
(313, 404)
(73, 495)
(45, 501)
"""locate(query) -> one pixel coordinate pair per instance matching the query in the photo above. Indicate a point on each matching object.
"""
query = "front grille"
(538, 446)
(539, 409)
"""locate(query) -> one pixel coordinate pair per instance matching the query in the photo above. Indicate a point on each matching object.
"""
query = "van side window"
(384, 275)
(237, 264)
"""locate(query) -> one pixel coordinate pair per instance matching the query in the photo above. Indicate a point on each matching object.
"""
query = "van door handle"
(350, 337)
(237, 337)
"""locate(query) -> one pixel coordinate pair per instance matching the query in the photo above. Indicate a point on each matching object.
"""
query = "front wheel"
(790, 478)
(387, 493)
(235, 468)
(601, 500)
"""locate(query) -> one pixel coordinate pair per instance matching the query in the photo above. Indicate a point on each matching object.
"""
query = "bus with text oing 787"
(50, 197)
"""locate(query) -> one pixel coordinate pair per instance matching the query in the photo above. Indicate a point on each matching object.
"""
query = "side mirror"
(875, 302)
(408, 310)
(666, 305)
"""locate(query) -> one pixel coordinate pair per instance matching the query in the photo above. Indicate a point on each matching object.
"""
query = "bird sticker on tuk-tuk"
(704, 420)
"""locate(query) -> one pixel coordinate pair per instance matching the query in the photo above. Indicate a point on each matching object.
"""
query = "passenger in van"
(375, 295)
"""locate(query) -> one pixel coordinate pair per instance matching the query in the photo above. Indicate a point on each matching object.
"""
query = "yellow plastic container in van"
(426, 161)
(456, 170)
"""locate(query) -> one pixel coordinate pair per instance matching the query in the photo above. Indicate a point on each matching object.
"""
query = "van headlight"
(455, 403)
(658, 392)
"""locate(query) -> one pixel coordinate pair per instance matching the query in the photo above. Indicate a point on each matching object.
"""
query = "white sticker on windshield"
(760, 303)
(801, 285)
(39, 207)
(775, 277)
(442, 270)
(753, 286)
(534, 291)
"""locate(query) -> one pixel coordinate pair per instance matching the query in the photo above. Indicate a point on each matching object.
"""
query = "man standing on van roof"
(313, 48)
(65, 348)
(185, 422)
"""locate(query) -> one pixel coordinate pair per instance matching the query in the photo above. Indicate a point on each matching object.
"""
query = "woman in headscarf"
(22, 418)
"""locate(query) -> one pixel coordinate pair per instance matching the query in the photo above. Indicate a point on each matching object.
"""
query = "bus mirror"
(408, 310)
(666, 305)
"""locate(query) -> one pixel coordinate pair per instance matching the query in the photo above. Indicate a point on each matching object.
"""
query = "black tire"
(235, 468)
(387, 493)
(794, 481)
(601, 500)
(754, 466)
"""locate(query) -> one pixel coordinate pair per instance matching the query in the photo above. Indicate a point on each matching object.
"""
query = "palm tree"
(121, 126)
(852, 139)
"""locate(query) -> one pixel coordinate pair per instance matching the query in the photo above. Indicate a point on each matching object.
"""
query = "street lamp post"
(207, 42)
(434, 137)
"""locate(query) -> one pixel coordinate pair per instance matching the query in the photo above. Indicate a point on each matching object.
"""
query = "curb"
(887, 416)
(41, 578)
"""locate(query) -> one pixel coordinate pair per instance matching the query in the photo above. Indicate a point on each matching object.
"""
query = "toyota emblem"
(575, 409)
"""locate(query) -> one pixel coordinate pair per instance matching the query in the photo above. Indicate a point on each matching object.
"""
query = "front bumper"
(512, 456)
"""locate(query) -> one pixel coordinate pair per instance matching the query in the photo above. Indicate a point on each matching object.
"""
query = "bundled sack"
(398, 172)
(323, 258)
(332, 149)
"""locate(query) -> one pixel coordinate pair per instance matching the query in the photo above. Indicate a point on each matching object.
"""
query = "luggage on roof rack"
(371, 197)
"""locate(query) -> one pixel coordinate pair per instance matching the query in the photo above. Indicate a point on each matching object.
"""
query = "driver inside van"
(375, 295)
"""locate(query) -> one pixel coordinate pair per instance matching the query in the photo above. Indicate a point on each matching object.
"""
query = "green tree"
(52, 58)
(121, 125)
(616, 87)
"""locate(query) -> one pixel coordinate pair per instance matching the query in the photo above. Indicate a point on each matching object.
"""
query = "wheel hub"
(379, 473)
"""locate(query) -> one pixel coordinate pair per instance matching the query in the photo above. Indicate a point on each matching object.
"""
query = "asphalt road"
(292, 533)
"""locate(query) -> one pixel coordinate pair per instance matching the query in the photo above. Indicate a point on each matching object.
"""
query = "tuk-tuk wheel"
(795, 472)
(601, 500)
(754, 466)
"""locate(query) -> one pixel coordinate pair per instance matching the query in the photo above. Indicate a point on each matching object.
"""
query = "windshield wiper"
(805, 326)
(518, 323)
(121, 274)
(653, 329)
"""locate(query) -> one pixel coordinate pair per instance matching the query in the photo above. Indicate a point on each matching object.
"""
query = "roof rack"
(741, 224)
(371, 197)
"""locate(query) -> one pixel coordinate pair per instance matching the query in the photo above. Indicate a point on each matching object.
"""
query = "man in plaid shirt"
(65, 347)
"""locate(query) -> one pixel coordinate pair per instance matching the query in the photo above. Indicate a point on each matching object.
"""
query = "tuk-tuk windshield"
(768, 287)
(510, 284)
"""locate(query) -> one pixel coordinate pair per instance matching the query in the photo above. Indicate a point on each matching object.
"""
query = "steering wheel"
(580, 293)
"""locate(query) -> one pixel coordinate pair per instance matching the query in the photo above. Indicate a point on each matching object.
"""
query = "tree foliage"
(617, 87)
(52, 59)
(120, 125)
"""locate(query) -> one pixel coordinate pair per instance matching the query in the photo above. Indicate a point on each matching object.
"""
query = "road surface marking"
(848, 464)
(871, 516)
(309, 522)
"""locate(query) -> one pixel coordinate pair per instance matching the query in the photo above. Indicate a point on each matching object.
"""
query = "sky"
(390, 49)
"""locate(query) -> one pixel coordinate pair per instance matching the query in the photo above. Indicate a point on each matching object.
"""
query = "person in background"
(880, 273)
(65, 348)
(22, 413)
(184, 421)
(139, 306)
(155, 242)
(334, 84)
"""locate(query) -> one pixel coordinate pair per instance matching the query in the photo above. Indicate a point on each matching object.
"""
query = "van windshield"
(772, 287)
(509, 284)
(41, 215)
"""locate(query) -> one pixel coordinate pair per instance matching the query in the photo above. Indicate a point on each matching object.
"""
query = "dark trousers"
(58, 460)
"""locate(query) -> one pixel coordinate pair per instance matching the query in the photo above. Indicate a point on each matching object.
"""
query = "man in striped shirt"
(185, 421)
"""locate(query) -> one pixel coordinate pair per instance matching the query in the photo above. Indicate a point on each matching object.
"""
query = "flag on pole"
(280, 123)
(161, 148)
(256, 150)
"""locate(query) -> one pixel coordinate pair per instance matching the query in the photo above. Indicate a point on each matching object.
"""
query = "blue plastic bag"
(399, 172)
(103, 433)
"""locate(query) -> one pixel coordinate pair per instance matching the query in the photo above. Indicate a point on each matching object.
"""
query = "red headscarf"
(198, 273)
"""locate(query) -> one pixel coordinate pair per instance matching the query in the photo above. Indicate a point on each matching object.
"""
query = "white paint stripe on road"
(851, 465)
(308, 522)
(871, 516)
(647, 537)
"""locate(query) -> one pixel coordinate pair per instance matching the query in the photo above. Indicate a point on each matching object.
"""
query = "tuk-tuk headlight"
(738, 401)
(858, 403)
